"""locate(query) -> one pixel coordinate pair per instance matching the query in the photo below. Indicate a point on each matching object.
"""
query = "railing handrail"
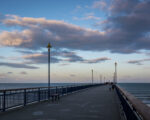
(17, 89)
(140, 107)
(12, 98)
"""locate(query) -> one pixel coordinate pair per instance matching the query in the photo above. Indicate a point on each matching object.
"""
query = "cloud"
(126, 31)
(59, 56)
(72, 57)
(2, 75)
(38, 32)
(72, 75)
(138, 62)
(101, 4)
(88, 16)
(97, 60)
(122, 6)
(17, 65)
(128, 25)
(64, 64)
(2, 57)
(40, 58)
(23, 73)
(9, 72)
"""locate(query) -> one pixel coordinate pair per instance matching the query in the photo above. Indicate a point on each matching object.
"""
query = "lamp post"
(92, 76)
(115, 72)
(49, 46)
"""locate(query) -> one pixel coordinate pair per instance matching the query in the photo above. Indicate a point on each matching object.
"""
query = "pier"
(85, 102)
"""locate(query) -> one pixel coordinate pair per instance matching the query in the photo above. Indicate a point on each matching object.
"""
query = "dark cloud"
(130, 31)
(59, 56)
(138, 62)
(72, 57)
(17, 65)
(122, 7)
(41, 58)
(9, 72)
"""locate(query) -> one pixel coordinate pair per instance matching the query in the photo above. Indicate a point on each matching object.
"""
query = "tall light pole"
(92, 76)
(115, 72)
(49, 46)
(100, 78)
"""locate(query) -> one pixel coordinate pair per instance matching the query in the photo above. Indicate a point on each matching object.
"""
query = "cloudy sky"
(85, 35)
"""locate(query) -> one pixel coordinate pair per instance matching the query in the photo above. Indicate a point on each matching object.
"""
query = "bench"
(55, 97)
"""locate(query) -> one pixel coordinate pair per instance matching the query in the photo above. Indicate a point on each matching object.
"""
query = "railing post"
(62, 90)
(66, 90)
(25, 97)
(49, 92)
(4, 99)
(39, 94)
(56, 90)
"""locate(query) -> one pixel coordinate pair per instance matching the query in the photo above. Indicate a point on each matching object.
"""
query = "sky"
(84, 34)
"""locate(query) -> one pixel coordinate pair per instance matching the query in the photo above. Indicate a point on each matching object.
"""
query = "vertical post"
(25, 97)
(4, 99)
(114, 78)
(92, 76)
(66, 90)
(62, 90)
(100, 79)
(48, 73)
(39, 98)
(115, 72)
(49, 46)
(56, 90)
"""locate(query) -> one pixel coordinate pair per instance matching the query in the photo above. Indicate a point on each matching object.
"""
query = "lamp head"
(49, 45)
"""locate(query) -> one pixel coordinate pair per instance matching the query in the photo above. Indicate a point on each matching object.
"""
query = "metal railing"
(133, 108)
(13, 98)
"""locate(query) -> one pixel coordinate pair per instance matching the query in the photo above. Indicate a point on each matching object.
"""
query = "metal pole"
(49, 46)
(48, 72)
(92, 76)
(115, 72)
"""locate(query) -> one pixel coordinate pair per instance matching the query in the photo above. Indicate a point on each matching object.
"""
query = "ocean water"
(29, 85)
(139, 90)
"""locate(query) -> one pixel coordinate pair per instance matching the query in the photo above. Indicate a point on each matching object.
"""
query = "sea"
(140, 90)
(4, 86)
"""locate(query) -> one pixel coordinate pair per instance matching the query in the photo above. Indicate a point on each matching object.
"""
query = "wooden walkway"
(91, 104)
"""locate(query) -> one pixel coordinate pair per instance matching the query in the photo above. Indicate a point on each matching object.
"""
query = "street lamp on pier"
(92, 76)
(49, 46)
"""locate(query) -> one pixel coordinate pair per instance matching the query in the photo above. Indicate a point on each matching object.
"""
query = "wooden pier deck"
(97, 103)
